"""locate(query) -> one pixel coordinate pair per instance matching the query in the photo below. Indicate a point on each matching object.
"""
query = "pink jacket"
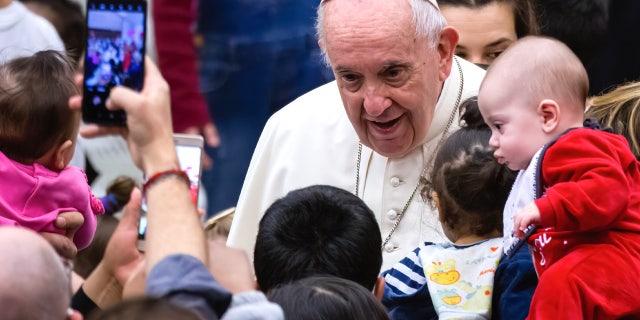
(32, 196)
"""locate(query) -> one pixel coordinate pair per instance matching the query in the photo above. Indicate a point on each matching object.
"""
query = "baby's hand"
(525, 217)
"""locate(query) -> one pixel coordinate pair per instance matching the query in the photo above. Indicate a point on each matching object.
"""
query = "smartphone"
(114, 55)
(189, 148)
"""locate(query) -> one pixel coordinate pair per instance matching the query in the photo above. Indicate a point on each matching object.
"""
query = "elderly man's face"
(389, 79)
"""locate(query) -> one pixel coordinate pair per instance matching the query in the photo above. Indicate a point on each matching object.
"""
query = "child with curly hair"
(454, 280)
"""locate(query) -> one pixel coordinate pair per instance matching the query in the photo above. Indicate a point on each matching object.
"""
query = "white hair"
(427, 19)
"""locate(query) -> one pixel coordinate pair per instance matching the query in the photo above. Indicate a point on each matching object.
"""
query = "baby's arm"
(526, 216)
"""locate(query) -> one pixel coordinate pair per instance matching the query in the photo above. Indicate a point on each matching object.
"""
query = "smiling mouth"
(385, 125)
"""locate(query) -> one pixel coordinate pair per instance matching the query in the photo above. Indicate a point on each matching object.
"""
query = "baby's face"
(516, 126)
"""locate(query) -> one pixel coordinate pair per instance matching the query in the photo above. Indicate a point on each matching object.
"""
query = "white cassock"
(311, 141)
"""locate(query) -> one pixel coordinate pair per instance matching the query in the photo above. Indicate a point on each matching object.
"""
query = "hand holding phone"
(114, 55)
(189, 148)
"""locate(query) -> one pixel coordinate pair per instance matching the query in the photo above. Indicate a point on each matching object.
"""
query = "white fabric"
(311, 141)
(522, 193)
(23, 33)
(460, 279)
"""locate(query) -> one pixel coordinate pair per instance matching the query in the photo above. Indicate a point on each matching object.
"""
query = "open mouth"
(386, 125)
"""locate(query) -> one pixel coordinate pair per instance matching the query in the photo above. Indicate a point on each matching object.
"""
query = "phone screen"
(190, 158)
(114, 55)
(189, 149)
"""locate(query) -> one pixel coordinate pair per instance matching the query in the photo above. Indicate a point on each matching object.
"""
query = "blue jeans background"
(254, 60)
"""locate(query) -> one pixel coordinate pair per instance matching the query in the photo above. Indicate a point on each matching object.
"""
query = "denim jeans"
(245, 78)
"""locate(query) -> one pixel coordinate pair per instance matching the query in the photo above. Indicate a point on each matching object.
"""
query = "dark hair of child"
(318, 230)
(326, 297)
(34, 105)
(470, 185)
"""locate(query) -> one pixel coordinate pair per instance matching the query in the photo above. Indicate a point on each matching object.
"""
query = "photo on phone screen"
(114, 55)
(189, 149)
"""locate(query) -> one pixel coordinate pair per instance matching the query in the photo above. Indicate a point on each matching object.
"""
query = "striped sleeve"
(406, 293)
(407, 276)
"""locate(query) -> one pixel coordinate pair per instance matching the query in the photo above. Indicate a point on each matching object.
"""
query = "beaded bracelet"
(163, 175)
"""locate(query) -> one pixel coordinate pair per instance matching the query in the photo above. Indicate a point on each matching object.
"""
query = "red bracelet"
(162, 175)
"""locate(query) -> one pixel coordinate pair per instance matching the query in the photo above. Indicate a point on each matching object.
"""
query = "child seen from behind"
(38, 132)
(456, 280)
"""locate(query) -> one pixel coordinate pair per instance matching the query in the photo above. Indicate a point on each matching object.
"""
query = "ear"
(378, 288)
(549, 111)
(446, 48)
(434, 196)
(62, 155)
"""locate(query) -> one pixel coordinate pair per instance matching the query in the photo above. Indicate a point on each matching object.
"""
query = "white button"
(392, 214)
(389, 247)
(395, 181)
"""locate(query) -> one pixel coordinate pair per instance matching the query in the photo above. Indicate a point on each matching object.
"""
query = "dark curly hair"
(470, 185)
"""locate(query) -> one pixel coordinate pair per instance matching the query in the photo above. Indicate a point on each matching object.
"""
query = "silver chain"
(423, 174)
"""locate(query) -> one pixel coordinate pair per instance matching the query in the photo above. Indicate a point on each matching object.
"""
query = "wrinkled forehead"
(433, 2)
(346, 17)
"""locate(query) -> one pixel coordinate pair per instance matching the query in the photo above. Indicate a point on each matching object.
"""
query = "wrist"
(102, 287)
(165, 174)
(159, 157)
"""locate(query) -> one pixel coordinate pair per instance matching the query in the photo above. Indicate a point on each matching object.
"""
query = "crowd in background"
(352, 170)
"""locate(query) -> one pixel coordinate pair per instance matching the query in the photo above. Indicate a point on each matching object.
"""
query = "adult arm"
(176, 256)
(173, 225)
(235, 271)
(589, 189)
(104, 286)
(173, 222)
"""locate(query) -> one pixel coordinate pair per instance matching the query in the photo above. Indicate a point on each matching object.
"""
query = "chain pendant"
(422, 179)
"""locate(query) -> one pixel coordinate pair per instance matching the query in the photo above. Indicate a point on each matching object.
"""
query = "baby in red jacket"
(580, 186)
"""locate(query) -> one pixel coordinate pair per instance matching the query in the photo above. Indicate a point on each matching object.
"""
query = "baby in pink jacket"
(37, 139)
